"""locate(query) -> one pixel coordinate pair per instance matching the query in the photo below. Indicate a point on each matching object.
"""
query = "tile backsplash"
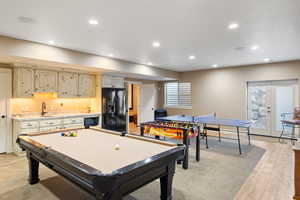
(34, 105)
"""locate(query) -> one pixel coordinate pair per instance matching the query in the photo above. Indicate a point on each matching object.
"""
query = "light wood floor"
(133, 129)
(271, 179)
(273, 176)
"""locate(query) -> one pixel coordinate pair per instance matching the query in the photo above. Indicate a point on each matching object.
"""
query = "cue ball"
(117, 147)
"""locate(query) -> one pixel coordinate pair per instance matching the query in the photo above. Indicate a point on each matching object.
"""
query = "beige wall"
(224, 90)
(14, 50)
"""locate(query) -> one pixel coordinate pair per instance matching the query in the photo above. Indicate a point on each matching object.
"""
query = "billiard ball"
(73, 134)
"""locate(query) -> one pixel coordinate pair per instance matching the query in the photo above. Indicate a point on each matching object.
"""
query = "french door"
(267, 100)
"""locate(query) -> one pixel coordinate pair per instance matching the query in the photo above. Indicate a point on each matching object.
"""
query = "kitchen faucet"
(44, 109)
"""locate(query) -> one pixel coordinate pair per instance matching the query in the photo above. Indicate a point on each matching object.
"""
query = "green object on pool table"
(70, 134)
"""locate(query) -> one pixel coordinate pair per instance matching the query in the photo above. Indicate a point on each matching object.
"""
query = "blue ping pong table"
(212, 123)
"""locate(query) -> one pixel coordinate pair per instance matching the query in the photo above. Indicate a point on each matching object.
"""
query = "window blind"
(178, 94)
(172, 94)
(185, 94)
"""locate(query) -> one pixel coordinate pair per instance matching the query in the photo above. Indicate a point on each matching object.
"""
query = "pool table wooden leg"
(166, 183)
(113, 196)
(33, 170)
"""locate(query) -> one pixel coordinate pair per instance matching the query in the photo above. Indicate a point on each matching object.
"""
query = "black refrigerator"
(114, 109)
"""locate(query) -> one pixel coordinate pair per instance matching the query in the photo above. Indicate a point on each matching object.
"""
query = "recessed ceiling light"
(155, 44)
(93, 22)
(215, 65)
(255, 47)
(233, 26)
(192, 57)
(51, 42)
(149, 63)
(111, 55)
(267, 59)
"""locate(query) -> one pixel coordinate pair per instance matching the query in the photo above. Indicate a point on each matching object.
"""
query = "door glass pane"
(257, 106)
(284, 103)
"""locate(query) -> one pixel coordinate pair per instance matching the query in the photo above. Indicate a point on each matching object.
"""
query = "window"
(178, 94)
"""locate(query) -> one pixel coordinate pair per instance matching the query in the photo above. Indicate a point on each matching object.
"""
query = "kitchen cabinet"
(87, 85)
(23, 82)
(38, 125)
(106, 82)
(67, 84)
(73, 121)
(51, 122)
(117, 82)
(29, 125)
(45, 81)
(112, 82)
(20, 128)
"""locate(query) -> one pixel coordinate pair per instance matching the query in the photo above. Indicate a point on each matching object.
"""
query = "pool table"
(106, 164)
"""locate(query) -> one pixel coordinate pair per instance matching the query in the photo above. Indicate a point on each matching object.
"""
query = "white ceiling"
(183, 27)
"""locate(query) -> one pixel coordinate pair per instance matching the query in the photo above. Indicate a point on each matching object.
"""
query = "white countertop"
(35, 116)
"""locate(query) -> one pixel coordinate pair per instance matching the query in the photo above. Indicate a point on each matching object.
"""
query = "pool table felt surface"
(97, 148)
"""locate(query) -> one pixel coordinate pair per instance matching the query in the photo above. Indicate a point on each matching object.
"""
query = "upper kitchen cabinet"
(106, 81)
(117, 82)
(112, 82)
(23, 82)
(67, 84)
(45, 81)
(87, 85)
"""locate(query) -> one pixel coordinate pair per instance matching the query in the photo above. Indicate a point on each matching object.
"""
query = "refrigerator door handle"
(113, 109)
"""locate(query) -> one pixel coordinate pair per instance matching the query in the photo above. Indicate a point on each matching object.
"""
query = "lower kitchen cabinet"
(35, 126)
